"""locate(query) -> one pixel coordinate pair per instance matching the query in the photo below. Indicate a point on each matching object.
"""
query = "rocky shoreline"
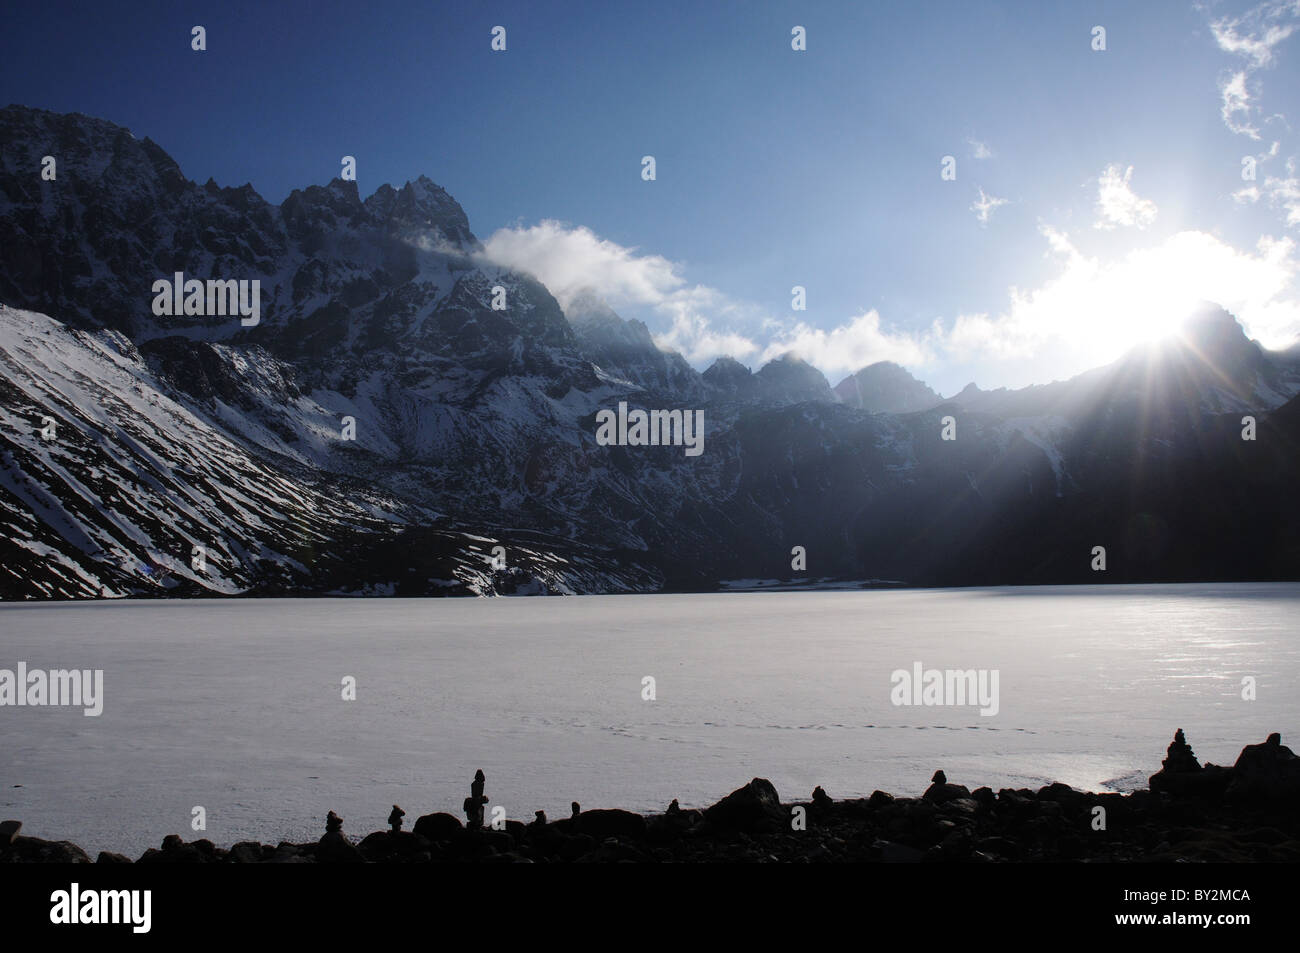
(1190, 812)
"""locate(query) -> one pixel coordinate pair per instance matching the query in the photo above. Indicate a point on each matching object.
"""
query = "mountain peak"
(419, 205)
(791, 379)
(885, 388)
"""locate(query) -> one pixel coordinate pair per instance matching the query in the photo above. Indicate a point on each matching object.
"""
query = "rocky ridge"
(1241, 813)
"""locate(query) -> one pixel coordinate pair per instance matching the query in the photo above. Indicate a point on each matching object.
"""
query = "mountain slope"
(404, 405)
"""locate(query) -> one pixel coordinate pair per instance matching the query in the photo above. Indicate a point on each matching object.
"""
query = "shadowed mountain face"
(473, 399)
(885, 388)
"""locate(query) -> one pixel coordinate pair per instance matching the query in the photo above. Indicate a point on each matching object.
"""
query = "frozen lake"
(237, 705)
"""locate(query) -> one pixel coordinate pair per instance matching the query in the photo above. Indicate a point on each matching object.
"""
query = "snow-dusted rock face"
(401, 407)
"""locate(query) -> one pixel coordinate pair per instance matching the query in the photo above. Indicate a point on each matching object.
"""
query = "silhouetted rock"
(879, 799)
(34, 850)
(1180, 757)
(335, 848)
(754, 807)
(176, 851)
(392, 845)
(1181, 775)
(108, 857)
(395, 818)
(750, 825)
(438, 827)
(610, 823)
(1265, 772)
(1060, 793)
(940, 790)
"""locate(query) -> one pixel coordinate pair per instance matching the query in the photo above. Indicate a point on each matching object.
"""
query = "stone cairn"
(395, 819)
(1180, 759)
(475, 802)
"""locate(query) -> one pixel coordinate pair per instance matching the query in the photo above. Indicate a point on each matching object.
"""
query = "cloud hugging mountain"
(196, 453)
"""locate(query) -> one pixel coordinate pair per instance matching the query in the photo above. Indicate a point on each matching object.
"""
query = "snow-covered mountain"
(403, 406)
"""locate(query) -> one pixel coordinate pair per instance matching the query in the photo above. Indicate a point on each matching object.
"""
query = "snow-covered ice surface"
(236, 705)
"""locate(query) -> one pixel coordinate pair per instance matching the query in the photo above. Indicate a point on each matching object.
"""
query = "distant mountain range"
(475, 426)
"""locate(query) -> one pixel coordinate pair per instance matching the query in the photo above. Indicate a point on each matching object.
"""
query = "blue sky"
(1111, 181)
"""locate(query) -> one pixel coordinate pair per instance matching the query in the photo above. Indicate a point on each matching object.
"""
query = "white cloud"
(572, 259)
(1118, 204)
(979, 150)
(1090, 312)
(568, 259)
(851, 346)
(1093, 310)
(984, 206)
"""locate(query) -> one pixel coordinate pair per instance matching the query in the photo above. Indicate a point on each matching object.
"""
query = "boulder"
(33, 850)
(335, 848)
(8, 831)
(108, 857)
(436, 827)
(391, 845)
(246, 852)
(879, 799)
(1265, 772)
(754, 807)
(175, 853)
(610, 823)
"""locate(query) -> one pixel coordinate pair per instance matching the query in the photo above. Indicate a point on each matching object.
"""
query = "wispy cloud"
(1254, 37)
(979, 150)
(1118, 205)
(985, 205)
(1256, 34)
(1284, 193)
(1236, 109)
